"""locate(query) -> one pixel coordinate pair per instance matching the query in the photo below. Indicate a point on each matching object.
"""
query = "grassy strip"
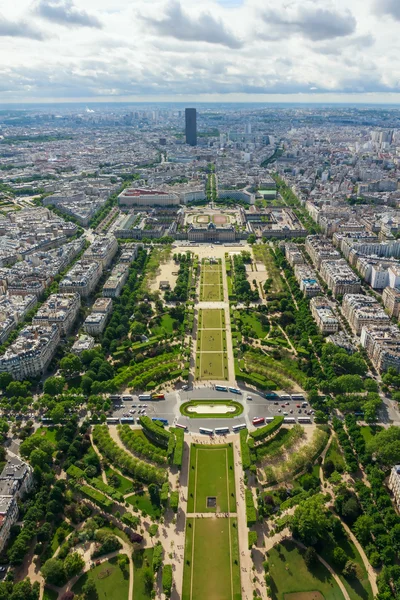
(184, 409)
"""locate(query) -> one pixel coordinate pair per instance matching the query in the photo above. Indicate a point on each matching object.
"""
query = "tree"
(5, 380)
(310, 557)
(148, 577)
(153, 530)
(310, 521)
(154, 492)
(54, 386)
(89, 590)
(252, 239)
(350, 569)
(386, 446)
(57, 414)
(350, 509)
(70, 364)
(339, 557)
(53, 572)
(24, 590)
(73, 564)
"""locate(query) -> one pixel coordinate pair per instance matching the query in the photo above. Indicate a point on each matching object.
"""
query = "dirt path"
(103, 475)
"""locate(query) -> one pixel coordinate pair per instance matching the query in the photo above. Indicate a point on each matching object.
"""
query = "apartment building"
(146, 197)
(15, 480)
(391, 301)
(323, 315)
(394, 484)
(307, 280)
(319, 249)
(362, 310)
(294, 256)
(382, 343)
(103, 249)
(82, 278)
(114, 284)
(95, 322)
(61, 309)
(339, 278)
(84, 342)
(31, 352)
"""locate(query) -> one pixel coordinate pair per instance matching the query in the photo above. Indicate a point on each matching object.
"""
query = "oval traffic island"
(211, 409)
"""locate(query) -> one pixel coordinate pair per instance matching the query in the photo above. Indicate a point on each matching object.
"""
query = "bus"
(285, 397)
(258, 420)
(235, 391)
(47, 421)
(163, 421)
(298, 398)
(144, 396)
(271, 395)
(127, 420)
(221, 430)
(304, 420)
(289, 420)
(236, 428)
(157, 397)
(181, 426)
(127, 398)
(269, 419)
(112, 420)
(206, 431)
(114, 397)
(221, 388)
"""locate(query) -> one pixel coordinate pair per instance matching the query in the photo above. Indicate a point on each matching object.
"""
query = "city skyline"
(226, 50)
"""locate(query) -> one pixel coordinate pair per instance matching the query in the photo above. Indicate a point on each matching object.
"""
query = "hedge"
(164, 493)
(102, 501)
(171, 446)
(244, 449)
(167, 580)
(254, 379)
(140, 445)
(178, 452)
(252, 538)
(155, 432)
(130, 520)
(263, 432)
(75, 472)
(107, 489)
(251, 514)
(157, 557)
(174, 501)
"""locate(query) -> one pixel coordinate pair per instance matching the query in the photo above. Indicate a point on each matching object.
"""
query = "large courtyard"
(211, 355)
(211, 284)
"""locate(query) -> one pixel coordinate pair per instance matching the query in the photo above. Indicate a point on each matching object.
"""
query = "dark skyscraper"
(191, 127)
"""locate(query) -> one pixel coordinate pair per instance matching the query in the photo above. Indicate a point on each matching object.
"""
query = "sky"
(208, 50)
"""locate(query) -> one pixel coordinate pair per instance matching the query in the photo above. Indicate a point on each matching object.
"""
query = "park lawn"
(210, 570)
(125, 485)
(211, 474)
(49, 594)
(166, 326)
(193, 403)
(115, 531)
(212, 365)
(357, 588)
(111, 582)
(369, 432)
(212, 293)
(297, 577)
(142, 559)
(251, 320)
(54, 542)
(211, 318)
(142, 502)
(48, 433)
(211, 276)
(262, 253)
(335, 455)
(212, 340)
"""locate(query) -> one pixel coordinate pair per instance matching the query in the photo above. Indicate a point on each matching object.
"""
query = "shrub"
(174, 501)
(252, 539)
(251, 514)
(269, 429)
(244, 449)
(157, 557)
(167, 580)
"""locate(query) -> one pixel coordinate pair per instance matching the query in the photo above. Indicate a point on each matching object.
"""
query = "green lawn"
(142, 559)
(143, 503)
(369, 432)
(211, 293)
(211, 318)
(212, 365)
(165, 327)
(49, 594)
(263, 253)
(358, 589)
(125, 485)
(211, 569)
(111, 582)
(289, 574)
(49, 433)
(211, 474)
(251, 320)
(212, 340)
(335, 455)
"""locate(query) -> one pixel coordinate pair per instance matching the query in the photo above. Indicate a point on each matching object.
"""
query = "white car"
(249, 398)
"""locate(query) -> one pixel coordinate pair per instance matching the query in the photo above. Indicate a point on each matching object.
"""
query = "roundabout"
(212, 409)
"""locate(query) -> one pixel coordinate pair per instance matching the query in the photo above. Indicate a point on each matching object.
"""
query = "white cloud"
(63, 12)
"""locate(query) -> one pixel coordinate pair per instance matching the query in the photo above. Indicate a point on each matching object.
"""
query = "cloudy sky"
(222, 50)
